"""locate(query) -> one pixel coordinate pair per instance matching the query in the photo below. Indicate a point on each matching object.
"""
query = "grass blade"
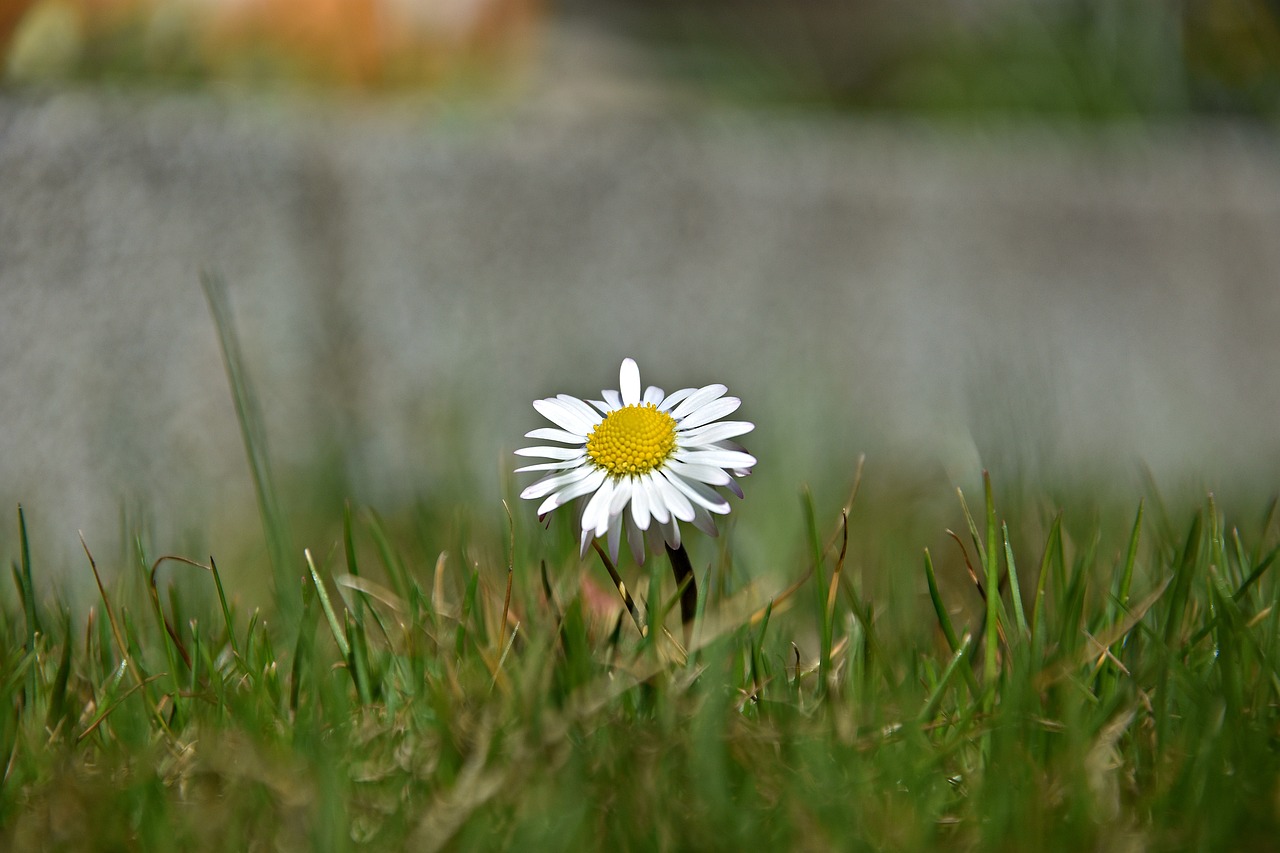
(27, 586)
(254, 435)
(1015, 589)
(1052, 555)
(339, 635)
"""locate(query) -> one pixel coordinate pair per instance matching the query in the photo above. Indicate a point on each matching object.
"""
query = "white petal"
(697, 400)
(703, 473)
(635, 538)
(704, 521)
(701, 493)
(561, 453)
(553, 434)
(563, 416)
(712, 433)
(675, 397)
(640, 504)
(595, 516)
(673, 499)
(653, 497)
(571, 491)
(613, 398)
(713, 411)
(653, 394)
(720, 458)
(549, 484)
(621, 495)
(615, 535)
(671, 534)
(550, 466)
(629, 382)
(737, 472)
(733, 486)
(580, 407)
(601, 405)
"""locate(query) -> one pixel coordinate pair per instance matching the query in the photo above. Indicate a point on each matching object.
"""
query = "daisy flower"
(641, 461)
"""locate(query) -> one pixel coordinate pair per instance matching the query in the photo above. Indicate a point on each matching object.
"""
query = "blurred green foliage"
(1073, 59)
(370, 45)
(1078, 59)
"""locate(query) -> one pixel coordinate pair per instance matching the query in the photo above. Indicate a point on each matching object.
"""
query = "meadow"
(440, 681)
(1029, 669)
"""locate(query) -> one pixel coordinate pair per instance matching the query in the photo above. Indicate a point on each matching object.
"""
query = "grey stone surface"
(1058, 304)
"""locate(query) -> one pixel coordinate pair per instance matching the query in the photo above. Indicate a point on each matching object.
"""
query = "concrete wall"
(1055, 304)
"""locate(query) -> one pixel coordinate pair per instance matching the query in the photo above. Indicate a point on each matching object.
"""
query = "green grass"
(1125, 699)
(1098, 681)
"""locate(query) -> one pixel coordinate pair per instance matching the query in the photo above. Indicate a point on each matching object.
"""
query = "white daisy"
(660, 455)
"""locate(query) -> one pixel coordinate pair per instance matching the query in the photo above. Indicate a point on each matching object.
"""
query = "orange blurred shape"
(368, 43)
(361, 43)
(11, 14)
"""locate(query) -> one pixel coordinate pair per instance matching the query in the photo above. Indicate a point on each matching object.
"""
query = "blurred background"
(1035, 238)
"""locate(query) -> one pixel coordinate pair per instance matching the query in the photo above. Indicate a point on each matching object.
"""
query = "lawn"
(435, 681)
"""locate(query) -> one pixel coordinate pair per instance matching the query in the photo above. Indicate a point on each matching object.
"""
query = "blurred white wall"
(1056, 304)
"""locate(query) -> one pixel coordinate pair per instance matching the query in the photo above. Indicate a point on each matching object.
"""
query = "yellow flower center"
(632, 440)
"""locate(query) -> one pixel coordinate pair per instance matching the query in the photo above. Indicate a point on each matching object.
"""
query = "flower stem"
(683, 570)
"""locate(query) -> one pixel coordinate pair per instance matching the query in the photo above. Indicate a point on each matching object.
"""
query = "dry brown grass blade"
(731, 615)
(125, 660)
(1106, 638)
(848, 504)
(780, 602)
(374, 590)
(121, 647)
(155, 598)
(834, 587)
(511, 556)
(1136, 614)
(477, 783)
(142, 682)
(437, 588)
(622, 588)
